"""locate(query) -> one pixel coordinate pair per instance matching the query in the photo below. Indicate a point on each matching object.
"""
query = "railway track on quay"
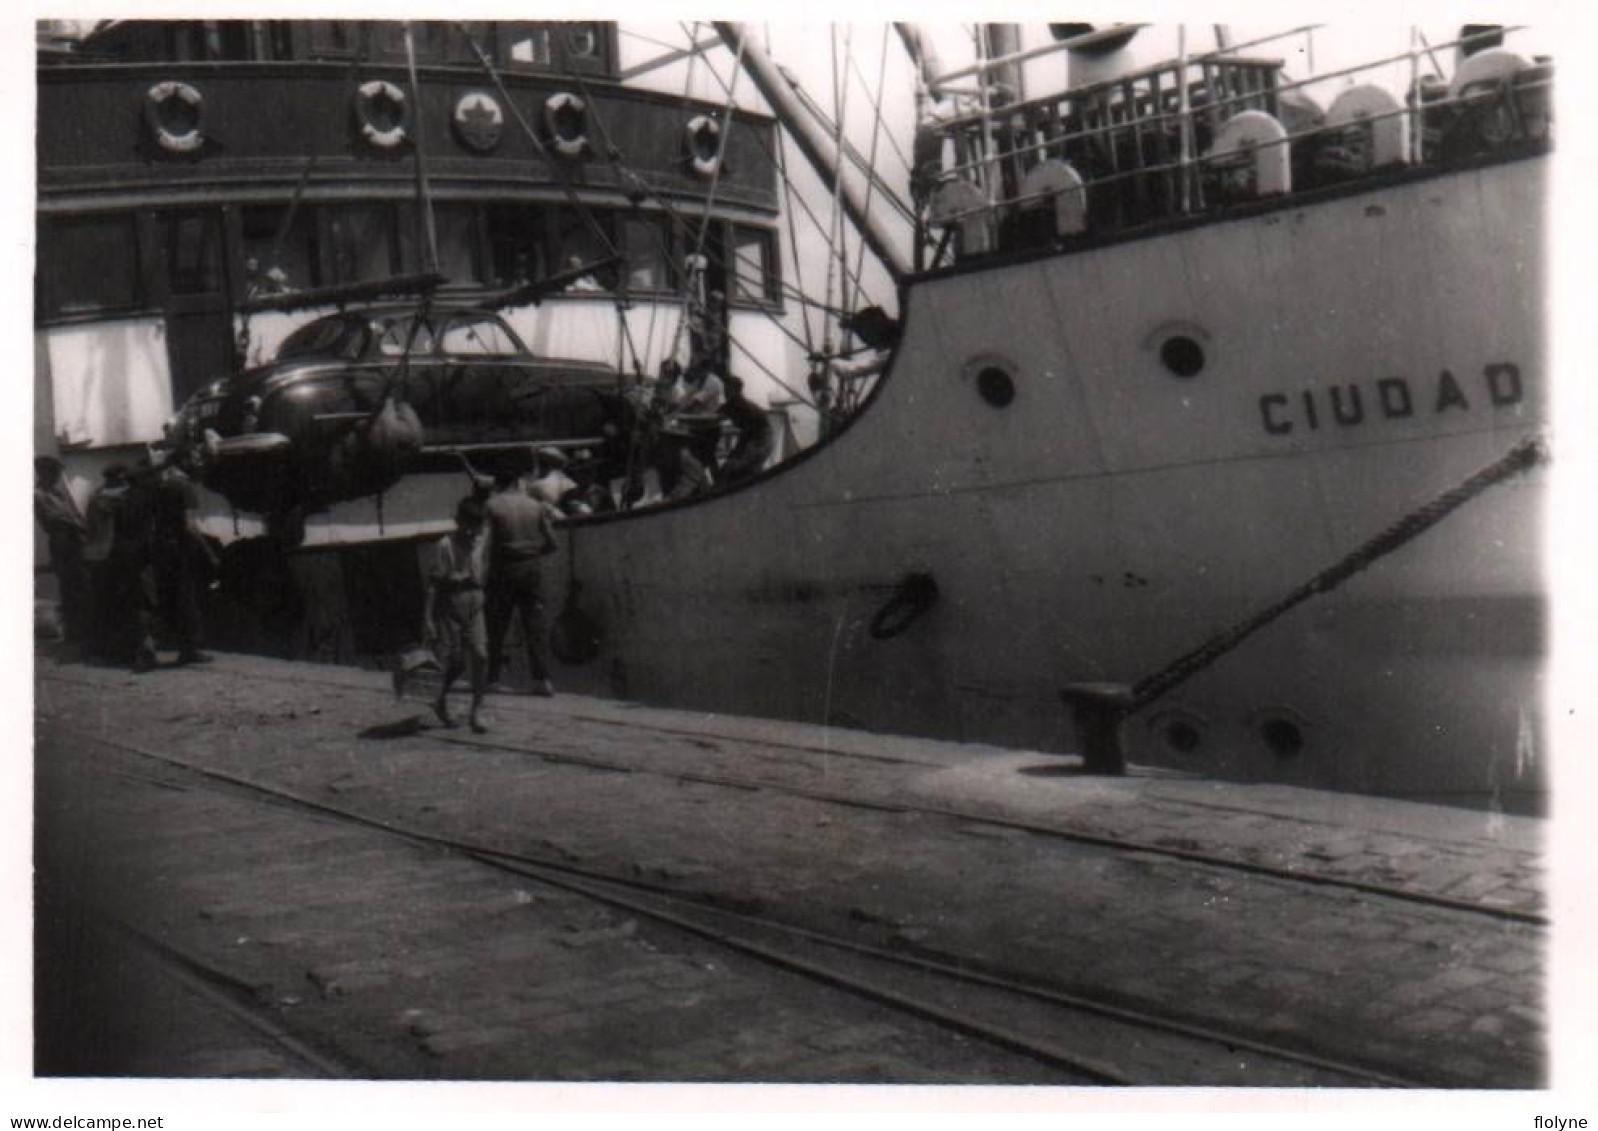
(1126, 1046)
(1035, 1022)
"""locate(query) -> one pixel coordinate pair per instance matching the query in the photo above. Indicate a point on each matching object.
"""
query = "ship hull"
(1362, 355)
(1359, 355)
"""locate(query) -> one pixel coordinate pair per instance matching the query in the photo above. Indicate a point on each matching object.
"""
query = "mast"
(814, 144)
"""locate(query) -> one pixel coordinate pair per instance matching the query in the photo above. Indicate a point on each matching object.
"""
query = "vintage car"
(356, 399)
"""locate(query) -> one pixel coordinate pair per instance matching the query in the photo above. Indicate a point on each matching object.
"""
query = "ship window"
(89, 263)
(455, 228)
(388, 40)
(333, 38)
(359, 244)
(520, 244)
(576, 243)
(582, 40)
(646, 240)
(194, 253)
(754, 279)
(268, 246)
(529, 47)
(556, 46)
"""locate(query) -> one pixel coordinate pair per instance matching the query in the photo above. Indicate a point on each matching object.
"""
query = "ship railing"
(1203, 107)
(1137, 141)
(1223, 161)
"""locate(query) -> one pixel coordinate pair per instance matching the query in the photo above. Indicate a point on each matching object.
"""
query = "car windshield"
(397, 333)
(478, 335)
(326, 337)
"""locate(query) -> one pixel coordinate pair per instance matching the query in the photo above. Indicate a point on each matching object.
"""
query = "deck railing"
(1141, 143)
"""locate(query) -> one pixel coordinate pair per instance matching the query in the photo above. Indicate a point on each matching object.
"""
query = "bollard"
(1098, 710)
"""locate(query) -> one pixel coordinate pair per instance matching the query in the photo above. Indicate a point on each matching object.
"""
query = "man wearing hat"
(65, 531)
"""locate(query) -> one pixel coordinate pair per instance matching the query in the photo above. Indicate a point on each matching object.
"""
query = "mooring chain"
(1525, 455)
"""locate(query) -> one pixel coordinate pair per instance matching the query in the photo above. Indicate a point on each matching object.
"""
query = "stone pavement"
(944, 849)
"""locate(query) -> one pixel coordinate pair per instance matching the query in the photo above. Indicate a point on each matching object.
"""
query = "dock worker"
(755, 437)
(180, 558)
(65, 532)
(108, 620)
(553, 485)
(521, 531)
(453, 620)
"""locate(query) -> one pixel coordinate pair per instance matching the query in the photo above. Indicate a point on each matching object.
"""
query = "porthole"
(1182, 355)
(996, 386)
(1283, 737)
(1178, 732)
(1182, 736)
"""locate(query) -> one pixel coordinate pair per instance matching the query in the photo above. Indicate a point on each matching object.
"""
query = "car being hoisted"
(354, 400)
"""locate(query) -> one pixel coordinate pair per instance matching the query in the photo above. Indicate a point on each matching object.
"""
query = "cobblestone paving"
(1445, 995)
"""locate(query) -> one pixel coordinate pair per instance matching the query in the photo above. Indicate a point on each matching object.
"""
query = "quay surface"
(256, 868)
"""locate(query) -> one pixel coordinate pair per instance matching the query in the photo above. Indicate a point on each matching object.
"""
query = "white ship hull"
(1114, 515)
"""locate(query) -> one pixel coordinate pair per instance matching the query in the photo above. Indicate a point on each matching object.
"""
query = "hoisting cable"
(555, 166)
(793, 241)
(424, 200)
(625, 175)
(836, 238)
(876, 106)
(689, 228)
(804, 205)
(578, 206)
(871, 158)
(715, 183)
(849, 152)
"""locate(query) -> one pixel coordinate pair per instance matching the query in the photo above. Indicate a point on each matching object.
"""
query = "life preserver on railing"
(914, 595)
(174, 111)
(382, 112)
(702, 139)
(1250, 157)
(566, 119)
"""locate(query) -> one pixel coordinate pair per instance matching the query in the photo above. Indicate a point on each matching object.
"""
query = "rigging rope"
(688, 228)
(803, 204)
(793, 240)
(871, 159)
(876, 102)
(1524, 456)
(835, 228)
(424, 197)
(583, 211)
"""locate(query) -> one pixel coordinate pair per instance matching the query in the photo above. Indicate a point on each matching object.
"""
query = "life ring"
(174, 111)
(566, 119)
(914, 595)
(382, 112)
(702, 137)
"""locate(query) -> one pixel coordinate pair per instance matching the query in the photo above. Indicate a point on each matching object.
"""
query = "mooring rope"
(1525, 455)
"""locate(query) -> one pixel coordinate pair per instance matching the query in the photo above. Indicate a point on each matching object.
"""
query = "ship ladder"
(1099, 709)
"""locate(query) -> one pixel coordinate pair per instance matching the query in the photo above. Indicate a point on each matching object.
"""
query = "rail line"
(219, 989)
(1077, 836)
(866, 971)
(1120, 844)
